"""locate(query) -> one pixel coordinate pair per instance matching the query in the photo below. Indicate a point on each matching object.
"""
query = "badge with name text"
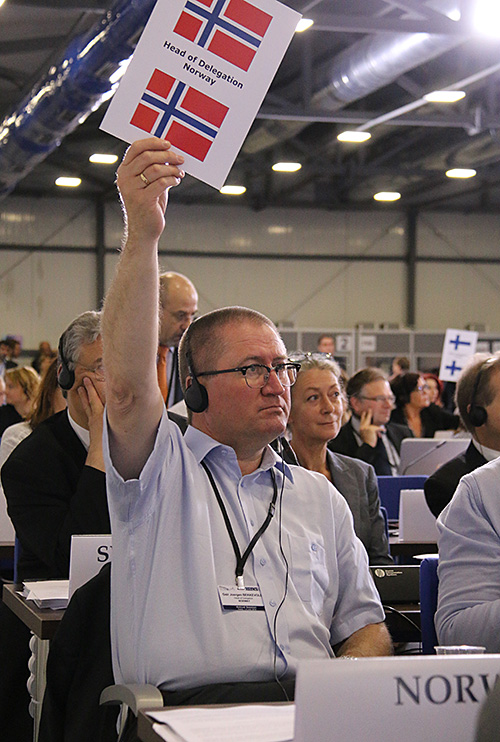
(242, 599)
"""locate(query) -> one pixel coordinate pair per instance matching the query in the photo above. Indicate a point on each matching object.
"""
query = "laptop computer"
(411, 698)
(397, 584)
(425, 455)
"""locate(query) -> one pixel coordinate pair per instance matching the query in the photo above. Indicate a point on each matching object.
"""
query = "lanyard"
(242, 558)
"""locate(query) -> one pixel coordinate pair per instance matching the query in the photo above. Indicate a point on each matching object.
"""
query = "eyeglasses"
(98, 370)
(301, 355)
(424, 388)
(257, 375)
(379, 398)
(184, 316)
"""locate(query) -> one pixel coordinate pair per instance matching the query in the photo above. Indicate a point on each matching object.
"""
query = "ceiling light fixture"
(303, 25)
(232, 190)
(387, 196)
(68, 182)
(286, 167)
(103, 159)
(460, 172)
(353, 136)
(486, 17)
(444, 96)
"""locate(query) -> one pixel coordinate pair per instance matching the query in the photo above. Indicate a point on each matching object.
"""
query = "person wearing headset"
(468, 609)
(54, 480)
(212, 522)
(478, 402)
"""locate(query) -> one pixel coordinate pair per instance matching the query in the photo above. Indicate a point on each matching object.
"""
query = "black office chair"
(79, 668)
(428, 602)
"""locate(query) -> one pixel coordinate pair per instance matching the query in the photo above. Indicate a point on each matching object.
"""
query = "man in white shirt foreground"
(214, 522)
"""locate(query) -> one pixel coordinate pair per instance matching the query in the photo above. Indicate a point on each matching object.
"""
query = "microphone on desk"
(423, 455)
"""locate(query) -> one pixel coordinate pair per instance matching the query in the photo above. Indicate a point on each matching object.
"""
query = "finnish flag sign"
(458, 347)
(198, 77)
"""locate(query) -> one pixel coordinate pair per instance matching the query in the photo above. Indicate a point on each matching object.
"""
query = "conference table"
(411, 548)
(43, 622)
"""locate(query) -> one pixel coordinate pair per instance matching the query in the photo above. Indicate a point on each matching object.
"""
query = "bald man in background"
(178, 307)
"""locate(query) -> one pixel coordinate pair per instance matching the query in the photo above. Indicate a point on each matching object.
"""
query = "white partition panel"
(48, 221)
(455, 295)
(40, 293)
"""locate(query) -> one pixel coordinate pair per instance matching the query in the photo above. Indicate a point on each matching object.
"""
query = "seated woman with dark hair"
(414, 408)
(318, 403)
(435, 388)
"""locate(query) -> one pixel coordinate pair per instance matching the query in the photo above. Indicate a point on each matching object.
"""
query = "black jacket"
(347, 444)
(440, 487)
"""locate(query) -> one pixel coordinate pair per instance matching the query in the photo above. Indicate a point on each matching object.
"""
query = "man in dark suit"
(178, 307)
(369, 435)
(478, 402)
(54, 480)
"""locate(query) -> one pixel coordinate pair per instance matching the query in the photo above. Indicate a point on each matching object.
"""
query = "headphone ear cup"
(478, 415)
(196, 396)
(65, 377)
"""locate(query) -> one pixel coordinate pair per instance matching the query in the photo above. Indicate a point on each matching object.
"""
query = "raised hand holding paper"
(198, 77)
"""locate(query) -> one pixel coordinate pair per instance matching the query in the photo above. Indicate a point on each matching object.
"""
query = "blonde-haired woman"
(21, 386)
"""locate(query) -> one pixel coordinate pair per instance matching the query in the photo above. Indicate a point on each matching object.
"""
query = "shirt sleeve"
(358, 602)
(469, 577)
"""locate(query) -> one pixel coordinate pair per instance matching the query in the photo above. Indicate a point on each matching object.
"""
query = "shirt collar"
(82, 433)
(201, 444)
(488, 453)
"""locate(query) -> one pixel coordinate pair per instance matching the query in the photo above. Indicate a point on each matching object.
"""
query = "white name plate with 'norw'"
(415, 699)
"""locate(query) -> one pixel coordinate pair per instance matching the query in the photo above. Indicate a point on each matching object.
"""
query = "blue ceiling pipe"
(72, 89)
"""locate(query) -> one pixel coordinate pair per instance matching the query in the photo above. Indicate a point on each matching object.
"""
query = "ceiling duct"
(70, 91)
(366, 66)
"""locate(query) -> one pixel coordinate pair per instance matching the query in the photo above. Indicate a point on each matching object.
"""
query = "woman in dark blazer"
(414, 408)
(315, 418)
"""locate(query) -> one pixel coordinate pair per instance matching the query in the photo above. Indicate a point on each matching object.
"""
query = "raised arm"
(130, 314)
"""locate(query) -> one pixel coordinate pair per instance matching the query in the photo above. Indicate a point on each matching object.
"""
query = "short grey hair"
(84, 330)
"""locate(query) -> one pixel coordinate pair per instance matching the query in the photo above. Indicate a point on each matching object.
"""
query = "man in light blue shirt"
(468, 609)
(228, 565)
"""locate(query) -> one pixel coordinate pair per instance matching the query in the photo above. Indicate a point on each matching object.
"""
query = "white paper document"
(198, 76)
(245, 723)
(48, 593)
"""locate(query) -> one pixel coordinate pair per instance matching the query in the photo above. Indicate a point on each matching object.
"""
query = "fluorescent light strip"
(68, 182)
(444, 96)
(354, 136)
(387, 196)
(103, 159)
(286, 167)
(232, 190)
(460, 172)
(303, 25)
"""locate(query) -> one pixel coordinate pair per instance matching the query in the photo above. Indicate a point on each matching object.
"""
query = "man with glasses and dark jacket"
(369, 435)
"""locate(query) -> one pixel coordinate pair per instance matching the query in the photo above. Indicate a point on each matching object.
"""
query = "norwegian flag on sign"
(231, 29)
(172, 110)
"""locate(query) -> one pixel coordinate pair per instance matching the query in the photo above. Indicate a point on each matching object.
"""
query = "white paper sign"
(88, 555)
(415, 699)
(367, 343)
(198, 77)
(344, 343)
(458, 347)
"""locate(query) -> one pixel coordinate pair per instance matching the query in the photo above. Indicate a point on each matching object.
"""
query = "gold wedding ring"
(144, 179)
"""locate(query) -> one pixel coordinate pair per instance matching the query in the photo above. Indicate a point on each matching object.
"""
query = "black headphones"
(66, 375)
(477, 413)
(195, 395)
